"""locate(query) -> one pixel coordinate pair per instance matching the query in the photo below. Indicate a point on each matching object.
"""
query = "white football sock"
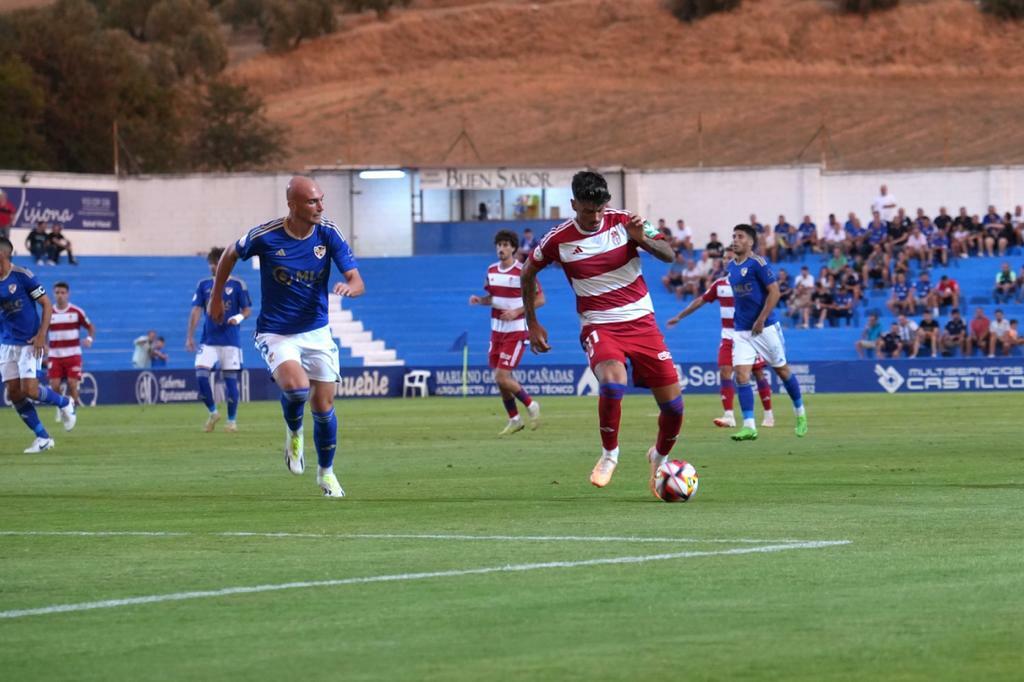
(613, 455)
(321, 471)
(749, 424)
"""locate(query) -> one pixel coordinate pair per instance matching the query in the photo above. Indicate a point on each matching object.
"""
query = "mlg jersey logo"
(889, 378)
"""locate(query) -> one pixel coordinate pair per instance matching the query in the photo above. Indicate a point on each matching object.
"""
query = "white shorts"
(228, 357)
(19, 362)
(769, 344)
(315, 350)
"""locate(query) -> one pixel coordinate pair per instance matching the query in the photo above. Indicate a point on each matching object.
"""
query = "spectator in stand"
(993, 225)
(875, 271)
(821, 302)
(851, 280)
(1006, 237)
(800, 304)
(978, 233)
(898, 234)
(706, 266)
(714, 247)
(838, 261)
(481, 211)
(927, 333)
(943, 221)
(997, 335)
(7, 210)
(834, 237)
(979, 336)
(58, 243)
(955, 335)
(908, 331)
(869, 337)
(853, 228)
(889, 344)
(902, 300)
(959, 240)
(923, 291)
(826, 278)
(878, 231)
(842, 307)
(917, 247)
(901, 264)
(1006, 284)
(664, 231)
(807, 236)
(141, 357)
(526, 245)
(785, 288)
(682, 239)
(157, 356)
(923, 222)
(1013, 337)
(37, 241)
(884, 204)
(1020, 285)
(1017, 220)
(673, 281)
(692, 278)
(804, 279)
(947, 293)
(784, 240)
(938, 248)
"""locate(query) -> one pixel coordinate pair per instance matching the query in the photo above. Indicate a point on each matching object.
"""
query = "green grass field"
(927, 490)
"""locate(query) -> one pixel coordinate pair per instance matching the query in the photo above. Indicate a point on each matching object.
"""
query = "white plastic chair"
(416, 381)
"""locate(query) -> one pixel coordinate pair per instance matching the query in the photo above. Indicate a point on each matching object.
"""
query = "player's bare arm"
(353, 285)
(90, 329)
(528, 282)
(193, 320)
(658, 248)
(224, 267)
(479, 300)
(770, 302)
(39, 340)
(685, 312)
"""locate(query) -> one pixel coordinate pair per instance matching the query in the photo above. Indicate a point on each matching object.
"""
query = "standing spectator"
(901, 300)
(890, 345)
(979, 335)
(927, 333)
(37, 241)
(141, 357)
(870, 336)
(884, 203)
(526, 245)
(7, 210)
(58, 243)
(955, 335)
(157, 356)
(997, 332)
(481, 211)
(682, 238)
(714, 247)
(807, 239)
(1006, 284)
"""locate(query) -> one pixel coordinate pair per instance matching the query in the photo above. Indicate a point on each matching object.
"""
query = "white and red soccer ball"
(675, 481)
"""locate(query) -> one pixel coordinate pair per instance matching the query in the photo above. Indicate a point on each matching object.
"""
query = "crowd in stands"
(46, 244)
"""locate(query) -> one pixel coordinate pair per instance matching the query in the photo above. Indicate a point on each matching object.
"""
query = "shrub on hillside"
(1004, 9)
(866, 6)
(690, 10)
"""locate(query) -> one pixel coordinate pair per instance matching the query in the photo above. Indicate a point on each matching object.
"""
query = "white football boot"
(727, 420)
(768, 420)
(211, 422)
(68, 416)
(293, 455)
(40, 444)
(534, 411)
(329, 485)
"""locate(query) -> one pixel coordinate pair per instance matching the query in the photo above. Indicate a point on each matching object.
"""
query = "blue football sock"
(27, 412)
(325, 437)
(793, 389)
(293, 403)
(50, 397)
(205, 389)
(745, 392)
(231, 393)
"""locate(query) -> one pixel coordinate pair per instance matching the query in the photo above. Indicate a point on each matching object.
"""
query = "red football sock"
(669, 422)
(609, 412)
(728, 392)
(764, 389)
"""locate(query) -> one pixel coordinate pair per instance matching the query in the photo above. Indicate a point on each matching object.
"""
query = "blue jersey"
(749, 281)
(19, 292)
(294, 274)
(901, 291)
(236, 299)
(922, 289)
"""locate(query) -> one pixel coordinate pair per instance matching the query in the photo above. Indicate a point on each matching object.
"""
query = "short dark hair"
(214, 255)
(6, 245)
(61, 285)
(506, 236)
(590, 187)
(746, 229)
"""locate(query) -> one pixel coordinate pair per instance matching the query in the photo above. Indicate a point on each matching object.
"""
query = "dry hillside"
(623, 82)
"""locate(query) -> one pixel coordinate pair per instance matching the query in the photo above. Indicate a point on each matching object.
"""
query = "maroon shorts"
(725, 356)
(506, 350)
(641, 344)
(65, 368)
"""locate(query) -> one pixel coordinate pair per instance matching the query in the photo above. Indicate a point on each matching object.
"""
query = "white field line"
(399, 577)
(395, 536)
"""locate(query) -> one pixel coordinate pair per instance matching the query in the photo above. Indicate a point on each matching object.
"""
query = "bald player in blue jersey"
(22, 342)
(292, 335)
(757, 332)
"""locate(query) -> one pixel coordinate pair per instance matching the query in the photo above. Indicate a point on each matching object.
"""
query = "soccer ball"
(675, 481)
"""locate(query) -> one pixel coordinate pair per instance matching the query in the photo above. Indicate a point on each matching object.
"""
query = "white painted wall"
(186, 214)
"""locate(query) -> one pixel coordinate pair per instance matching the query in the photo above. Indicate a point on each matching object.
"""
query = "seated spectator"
(141, 357)
(997, 335)
(889, 344)
(664, 230)
(901, 300)
(825, 278)
(959, 241)
(682, 239)
(943, 221)
(526, 245)
(947, 293)
(927, 334)
(804, 279)
(1020, 285)
(807, 236)
(1006, 284)
(674, 279)
(800, 306)
(898, 234)
(938, 248)
(978, 336)
(923, 292)
(875, 270)
(855, 232)
(1017, 220)
(992, 225)
(917, 247)
(901, 264)
(955, 335)
(1013, 338)
(714, 247)
(706, 267)
(7, 210)
(878, 232)
(821, 302)
(785, 288)
(842, 307)
(964, 224)
(851, 280)
(1005, 237)
(157, 356)
(762, 241)
(908, 331)
(838, 261)
(923, 222)
(782, 244)
(58, 243)
(37, 241)
(692, 279)
(869, 337)
(834, 237)
(481, 211)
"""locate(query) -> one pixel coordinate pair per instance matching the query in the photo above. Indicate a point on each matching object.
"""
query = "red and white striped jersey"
(63, 333)
(506, 293)
(721, 291)
(603, 268)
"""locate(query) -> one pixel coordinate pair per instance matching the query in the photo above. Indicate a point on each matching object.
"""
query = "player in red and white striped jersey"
(508, 329)
(598, 251)
(65, 342)
(721, 291)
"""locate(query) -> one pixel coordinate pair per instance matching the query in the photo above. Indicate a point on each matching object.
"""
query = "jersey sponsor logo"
(320, 251)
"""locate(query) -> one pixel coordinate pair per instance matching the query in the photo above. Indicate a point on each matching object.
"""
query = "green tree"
(866, 7)
(286, 23)
(128, 15)
(21, 109)
(1004, 9)
(691, 10)
(234, 132)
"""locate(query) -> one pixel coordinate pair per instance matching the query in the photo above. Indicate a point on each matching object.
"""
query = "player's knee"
(296, 395)
(672, 407)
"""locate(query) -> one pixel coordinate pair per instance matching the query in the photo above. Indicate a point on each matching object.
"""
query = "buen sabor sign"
(495, 178)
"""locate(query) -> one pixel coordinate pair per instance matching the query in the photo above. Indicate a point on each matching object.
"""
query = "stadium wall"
(186, 214)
